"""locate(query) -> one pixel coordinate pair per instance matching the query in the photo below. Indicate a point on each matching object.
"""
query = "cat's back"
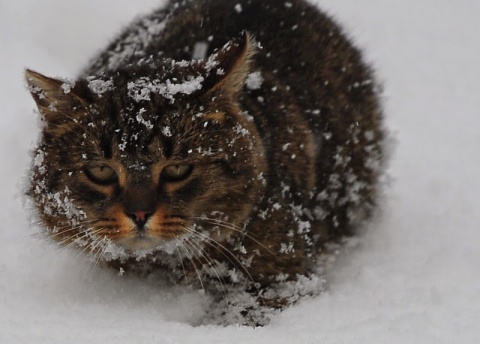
(293, 36)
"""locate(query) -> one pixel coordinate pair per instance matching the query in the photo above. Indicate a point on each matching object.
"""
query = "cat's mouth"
(143, 232)
(141, 241)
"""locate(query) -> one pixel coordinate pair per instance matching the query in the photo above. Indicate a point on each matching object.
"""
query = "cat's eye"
(176, 173)
(101, 174)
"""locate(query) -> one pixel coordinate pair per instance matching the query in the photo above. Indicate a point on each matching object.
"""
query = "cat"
(226, 143)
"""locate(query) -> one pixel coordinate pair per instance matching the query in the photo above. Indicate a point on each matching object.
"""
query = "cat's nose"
(139, 204)
(140, 217)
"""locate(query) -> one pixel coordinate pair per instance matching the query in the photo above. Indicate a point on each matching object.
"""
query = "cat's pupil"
(176, 172)
(101, 174)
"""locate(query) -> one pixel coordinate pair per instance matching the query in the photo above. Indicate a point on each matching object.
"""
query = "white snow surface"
(414, 276)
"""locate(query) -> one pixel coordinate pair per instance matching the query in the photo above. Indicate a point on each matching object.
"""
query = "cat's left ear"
(56, 99)
(229, 67)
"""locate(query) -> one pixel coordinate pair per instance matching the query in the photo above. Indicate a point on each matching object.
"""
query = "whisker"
(63, 232)
(58, 231)
(214, 244)
(181, 261)
(235, 228)
(86, 234)
(98, 255)
(73, 238)
(190, 257)
(90, 246)
(210, 263)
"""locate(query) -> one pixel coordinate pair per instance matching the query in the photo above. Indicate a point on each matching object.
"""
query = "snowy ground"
(415, 277)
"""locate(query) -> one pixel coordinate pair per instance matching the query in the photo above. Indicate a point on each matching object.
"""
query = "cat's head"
(141, 157)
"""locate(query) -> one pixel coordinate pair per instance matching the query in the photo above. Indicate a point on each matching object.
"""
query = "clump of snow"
(98, 85)
(254, 80)
(142, 88)
(55, 202)
(166, 131)
(238, 8)
(67, 86)
(142, 120)
(200, 50)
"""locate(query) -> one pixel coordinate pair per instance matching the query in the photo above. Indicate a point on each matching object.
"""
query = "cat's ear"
(56, 100)
(229, 67)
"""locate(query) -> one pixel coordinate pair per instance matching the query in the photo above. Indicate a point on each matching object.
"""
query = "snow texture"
(142, 88)
(413, 277)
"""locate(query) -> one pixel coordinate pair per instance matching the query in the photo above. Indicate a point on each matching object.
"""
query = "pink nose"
(140, 216)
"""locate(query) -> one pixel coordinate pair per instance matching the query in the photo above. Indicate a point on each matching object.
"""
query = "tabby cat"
(226, 143)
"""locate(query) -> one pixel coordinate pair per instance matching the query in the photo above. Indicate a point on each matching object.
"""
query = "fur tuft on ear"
(229, 67)
(56, 100)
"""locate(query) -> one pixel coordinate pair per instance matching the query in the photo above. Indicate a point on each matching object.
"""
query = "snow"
(142, 88)
(254, 81)
(99, 86)
(413, 277)
(200, 50)
(142, 120)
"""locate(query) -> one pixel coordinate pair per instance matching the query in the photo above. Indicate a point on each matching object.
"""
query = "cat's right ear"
(56, 100)
(230, 66)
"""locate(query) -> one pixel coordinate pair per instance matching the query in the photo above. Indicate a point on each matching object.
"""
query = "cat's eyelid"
(176, 172)
(179, 159)
(101, 173)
